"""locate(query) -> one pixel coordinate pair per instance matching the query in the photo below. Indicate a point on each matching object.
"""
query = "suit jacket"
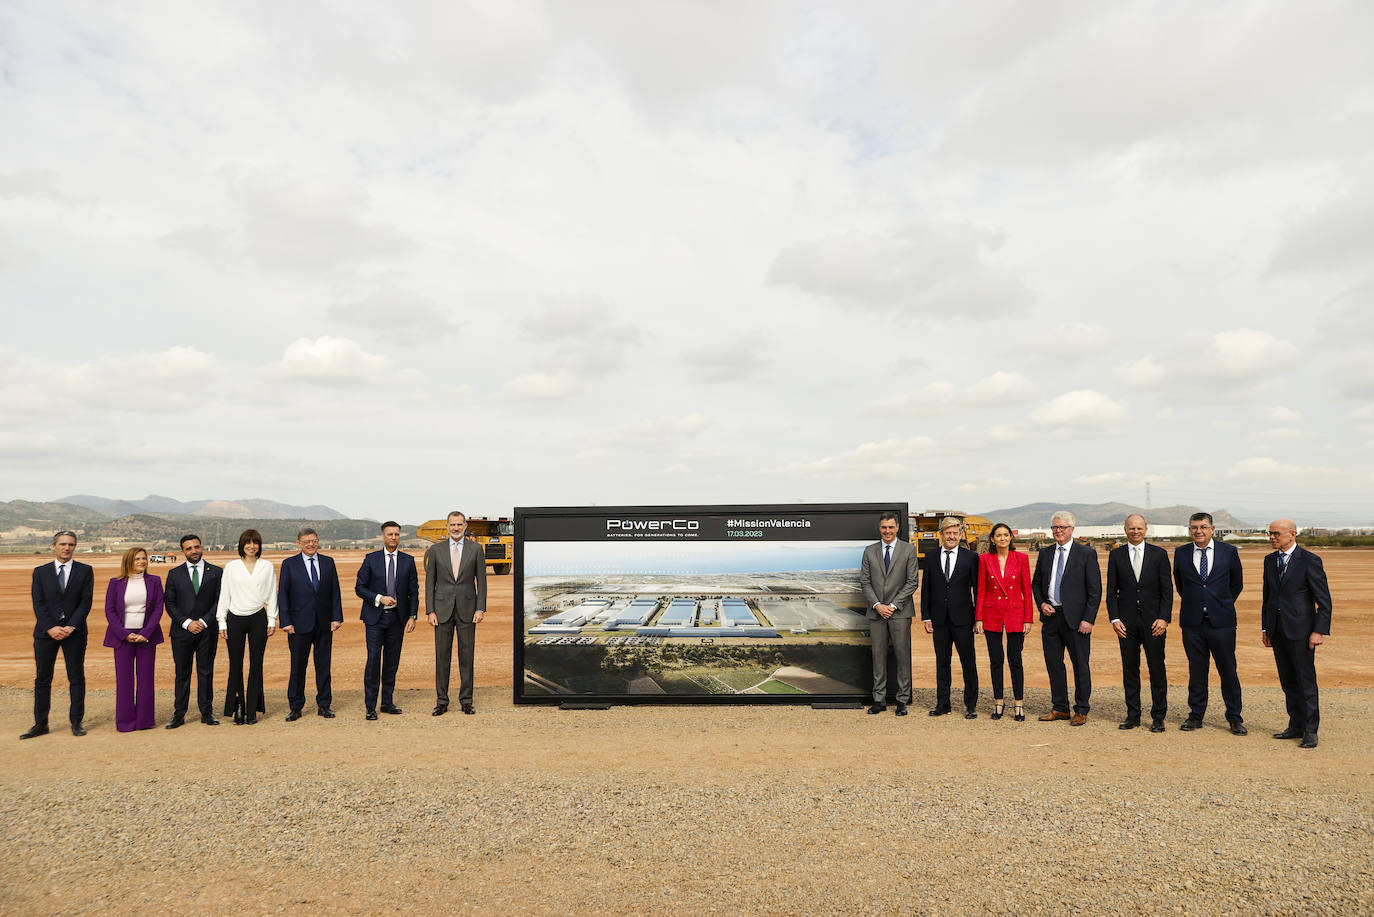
(54, 608)
(1004, 599)
(1302, 600)
(185, 604)
(115, 631)
(950, 603)
(372, 583)
(1146, 600)
(462, 595)
(302, 606)
(1217, 594)
(1081, 590)
(894, 586)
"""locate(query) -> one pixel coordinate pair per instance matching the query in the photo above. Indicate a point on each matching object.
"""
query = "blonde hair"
(126, 565)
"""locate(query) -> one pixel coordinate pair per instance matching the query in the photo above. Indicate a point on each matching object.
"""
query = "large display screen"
(713, 604)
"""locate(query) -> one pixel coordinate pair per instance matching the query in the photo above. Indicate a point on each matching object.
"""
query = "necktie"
(1202, 564)
(1283, 565)
(391, 575)
(887, 558)
(61, 577)
(195, 579)
(1135, 559)
(314, 575)
(947, 554)
(1058, 576)
(455, 554)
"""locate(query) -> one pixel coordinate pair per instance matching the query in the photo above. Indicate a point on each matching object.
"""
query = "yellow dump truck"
(496, 536)
(925, 529)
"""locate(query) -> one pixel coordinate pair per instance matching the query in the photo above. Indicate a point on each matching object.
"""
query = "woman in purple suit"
(133, 615)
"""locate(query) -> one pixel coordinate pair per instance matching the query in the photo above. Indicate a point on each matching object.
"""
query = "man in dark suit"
(1208, 577)
(191, 598)
(1296, 619)
(310, 607)
(390, 589)
(1140, 604)
(949, 597)
(1067, 586)
(889, 573)
(455, 603)
(61, 601)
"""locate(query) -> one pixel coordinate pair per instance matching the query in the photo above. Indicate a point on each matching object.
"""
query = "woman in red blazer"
(1005, 604)
(133, 616)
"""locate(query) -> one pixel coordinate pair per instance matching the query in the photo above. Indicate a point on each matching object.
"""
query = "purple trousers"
(134, 686)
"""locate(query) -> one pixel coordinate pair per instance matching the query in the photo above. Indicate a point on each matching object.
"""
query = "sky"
(404, 258)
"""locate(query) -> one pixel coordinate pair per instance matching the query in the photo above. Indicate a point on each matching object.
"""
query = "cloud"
(1335, 235)
(397, 315)
(1120, 479)
(1146, 372)
(889, 457)
(1262, 466)
(581, 335)
(935, 269)
(330, 360)
(1082, 409)
(1247, 353)
(542, 386)
(1280, 414)
(999, 389)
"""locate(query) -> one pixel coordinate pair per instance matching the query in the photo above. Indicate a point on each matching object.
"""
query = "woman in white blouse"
(247, 610)
(133, 615)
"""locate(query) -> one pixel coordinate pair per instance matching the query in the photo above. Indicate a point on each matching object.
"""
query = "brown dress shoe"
(1053, 715)
(1079, 719)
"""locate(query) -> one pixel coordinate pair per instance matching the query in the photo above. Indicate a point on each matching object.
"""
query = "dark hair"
(1198, 517)
(186, 538)
(889, 515)
(252, 535)
(60, 534)
(993, 533)
(456, 512)
(306, 531)
(389, 524)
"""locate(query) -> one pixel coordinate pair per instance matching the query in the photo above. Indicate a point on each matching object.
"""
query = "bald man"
(1296, 617)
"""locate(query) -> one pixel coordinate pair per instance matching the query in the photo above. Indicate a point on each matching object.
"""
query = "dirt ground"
(688, 809)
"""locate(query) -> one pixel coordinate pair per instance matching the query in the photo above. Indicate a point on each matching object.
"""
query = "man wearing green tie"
(190, 598)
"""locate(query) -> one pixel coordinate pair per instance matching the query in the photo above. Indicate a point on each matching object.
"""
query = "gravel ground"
(676, 810)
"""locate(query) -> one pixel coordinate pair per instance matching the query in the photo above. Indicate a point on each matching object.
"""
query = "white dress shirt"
(389, 559)
(190, 567)
(1211, 558)
(244, 593)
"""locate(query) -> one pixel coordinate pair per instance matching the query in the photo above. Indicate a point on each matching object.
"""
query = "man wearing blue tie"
(1208, 579)
(889, 575)
(1068, 590)
(311, 609)
(389, 586)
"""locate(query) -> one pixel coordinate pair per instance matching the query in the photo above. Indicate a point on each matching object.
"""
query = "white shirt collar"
(1206, 547)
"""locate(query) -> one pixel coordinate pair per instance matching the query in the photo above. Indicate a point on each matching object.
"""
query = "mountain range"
(1037, 515)
(222, 509)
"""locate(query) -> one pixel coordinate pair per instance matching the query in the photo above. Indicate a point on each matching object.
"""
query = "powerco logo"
(652, 525)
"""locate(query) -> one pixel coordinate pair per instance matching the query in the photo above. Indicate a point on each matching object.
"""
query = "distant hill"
(46, 517)
(227, 509)
(1037, 515)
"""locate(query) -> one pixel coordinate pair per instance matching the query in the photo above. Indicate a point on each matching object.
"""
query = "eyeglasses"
(1275, 534)
(1060, 528)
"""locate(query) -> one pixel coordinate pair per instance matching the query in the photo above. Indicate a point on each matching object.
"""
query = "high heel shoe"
(998, 708)
(1020, 713)
(238, 714)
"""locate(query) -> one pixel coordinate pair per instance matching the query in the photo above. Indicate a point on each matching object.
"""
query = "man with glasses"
(311, 609)
(1067, 586)
(61, 601)
(1208, 578)
(1296, 619)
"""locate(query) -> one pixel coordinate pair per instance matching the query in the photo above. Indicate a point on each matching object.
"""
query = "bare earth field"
(700, 810)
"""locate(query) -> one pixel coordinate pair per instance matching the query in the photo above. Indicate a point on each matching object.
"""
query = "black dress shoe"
(326, 713)
(209, 720)
(877, 708)
(293, 716)
(1238, 729)
(78, 729)
(391, 708)
(372, 714)
(939, 711)
(1190, 724)
(901, 709)
(1289, 733)
(176, 723)
(1309, 740)
(469, 709)
(970, 714)
(439, 710)
(1128, 724)
(1157, 726)
(238, 717)
(252, 719)
(36, 730)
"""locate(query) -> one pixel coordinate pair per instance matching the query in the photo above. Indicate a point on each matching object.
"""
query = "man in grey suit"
(889, 576)
(455, 603)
